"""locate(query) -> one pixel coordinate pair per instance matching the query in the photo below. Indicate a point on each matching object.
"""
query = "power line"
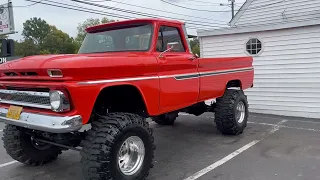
(184, 7)
(146, 14)
(203, 4)
(206, 2)
(29, 5)
(159, 10)
(94, 11)
(119, 3)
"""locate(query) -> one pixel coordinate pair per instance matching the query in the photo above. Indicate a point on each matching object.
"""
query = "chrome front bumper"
(47, 123)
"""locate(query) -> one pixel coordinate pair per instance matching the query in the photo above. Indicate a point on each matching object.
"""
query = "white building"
(283, 36)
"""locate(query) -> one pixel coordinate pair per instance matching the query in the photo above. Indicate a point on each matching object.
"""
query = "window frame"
(122, 27)
(180, 35)
(250, 39)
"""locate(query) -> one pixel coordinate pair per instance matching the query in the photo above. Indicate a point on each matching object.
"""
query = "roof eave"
(264, 27)
(242, 9)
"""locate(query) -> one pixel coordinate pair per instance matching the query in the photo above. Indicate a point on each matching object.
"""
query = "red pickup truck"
(124, 72)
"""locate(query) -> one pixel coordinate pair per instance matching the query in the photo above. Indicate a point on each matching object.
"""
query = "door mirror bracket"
(170, 46)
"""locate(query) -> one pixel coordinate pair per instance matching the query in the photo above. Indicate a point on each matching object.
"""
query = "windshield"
(133, 38)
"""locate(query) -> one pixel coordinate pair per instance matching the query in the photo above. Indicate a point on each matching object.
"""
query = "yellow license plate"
(14, 112)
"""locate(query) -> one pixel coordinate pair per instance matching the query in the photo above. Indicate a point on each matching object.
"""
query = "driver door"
(179, 81)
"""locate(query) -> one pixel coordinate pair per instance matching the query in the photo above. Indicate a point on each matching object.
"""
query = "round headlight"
(55, 100)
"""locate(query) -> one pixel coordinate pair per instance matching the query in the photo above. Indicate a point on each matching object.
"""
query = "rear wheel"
(231, 112)
(23, 148)
(118, 146)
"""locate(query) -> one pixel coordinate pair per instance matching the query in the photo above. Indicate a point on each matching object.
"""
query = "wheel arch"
(124, 95)
(235, 83)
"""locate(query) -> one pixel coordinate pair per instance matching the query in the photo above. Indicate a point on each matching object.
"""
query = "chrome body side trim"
(119, 80)
(176, 76)
(187, 76)
(46, 123)
(213, 73)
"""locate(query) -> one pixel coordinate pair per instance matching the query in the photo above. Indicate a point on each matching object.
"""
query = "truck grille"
(25, 98)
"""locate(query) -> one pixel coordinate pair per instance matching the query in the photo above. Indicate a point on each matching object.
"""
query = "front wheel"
(118, 146)
(23, 148)
(231, 114)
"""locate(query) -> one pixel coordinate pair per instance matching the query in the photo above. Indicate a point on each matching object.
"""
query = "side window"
(168, 35)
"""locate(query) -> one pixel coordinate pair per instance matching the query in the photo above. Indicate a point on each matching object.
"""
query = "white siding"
(287, 72)
(278, 11)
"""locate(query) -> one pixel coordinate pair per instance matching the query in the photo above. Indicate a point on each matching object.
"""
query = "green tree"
(25, 48)
(195, 46)
(42, 38)
(58, 42)
(87, 23)
(36, 29)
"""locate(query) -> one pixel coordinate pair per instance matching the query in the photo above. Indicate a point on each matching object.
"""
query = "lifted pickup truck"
(124, 72)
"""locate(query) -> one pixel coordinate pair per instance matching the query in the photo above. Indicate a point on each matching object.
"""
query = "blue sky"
(67, 20)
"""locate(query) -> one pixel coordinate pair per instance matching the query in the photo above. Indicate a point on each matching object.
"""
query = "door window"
(168, 35)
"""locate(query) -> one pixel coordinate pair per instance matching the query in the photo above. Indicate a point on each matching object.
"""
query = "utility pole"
(232, 8)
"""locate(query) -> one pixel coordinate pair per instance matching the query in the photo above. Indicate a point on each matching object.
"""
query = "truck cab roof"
(133, 21)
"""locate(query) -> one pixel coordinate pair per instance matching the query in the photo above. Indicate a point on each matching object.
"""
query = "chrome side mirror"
(170, 46)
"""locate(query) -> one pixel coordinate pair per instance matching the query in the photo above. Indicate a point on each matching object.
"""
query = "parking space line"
(221, 161)
(7, 164)
(275, 127)
(311, 122)
(282, 126)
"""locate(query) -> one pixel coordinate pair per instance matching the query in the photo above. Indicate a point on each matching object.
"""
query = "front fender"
(85, 94)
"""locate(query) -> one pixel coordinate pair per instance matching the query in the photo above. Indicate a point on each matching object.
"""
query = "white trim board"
(242, 9)
(246, 29)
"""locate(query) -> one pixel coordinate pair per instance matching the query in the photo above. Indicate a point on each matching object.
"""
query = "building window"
(254, 46)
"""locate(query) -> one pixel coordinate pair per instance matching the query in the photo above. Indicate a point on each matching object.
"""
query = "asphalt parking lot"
(271, 148)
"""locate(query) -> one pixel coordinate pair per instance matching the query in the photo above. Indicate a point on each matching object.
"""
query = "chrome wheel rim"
(240, 112)
(131, 155)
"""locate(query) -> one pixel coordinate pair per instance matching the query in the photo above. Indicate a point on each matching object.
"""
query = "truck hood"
(77, 66)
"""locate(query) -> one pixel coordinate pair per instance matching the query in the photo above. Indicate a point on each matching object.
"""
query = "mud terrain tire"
(103, 146)
(20, 147)
(227, 109)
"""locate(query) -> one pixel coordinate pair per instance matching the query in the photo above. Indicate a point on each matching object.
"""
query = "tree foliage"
(25, 48)
(36, 29)
(42, 38)
(195, 46)
(57, 42)
(87, 23)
